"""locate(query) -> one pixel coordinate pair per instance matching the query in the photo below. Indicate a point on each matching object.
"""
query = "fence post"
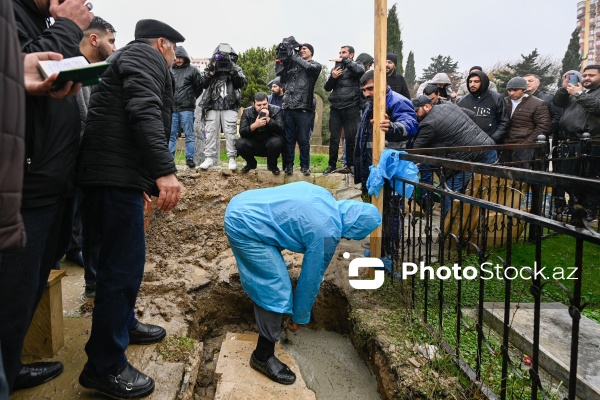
(541, 154)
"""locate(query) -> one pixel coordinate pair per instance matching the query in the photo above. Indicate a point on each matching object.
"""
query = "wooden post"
(379, 111)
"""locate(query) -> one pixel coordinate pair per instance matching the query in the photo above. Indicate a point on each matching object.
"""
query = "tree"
(572, 58)
(439, 64)
(532, 63)
(394, 41)
(410, 74)
(259, 67)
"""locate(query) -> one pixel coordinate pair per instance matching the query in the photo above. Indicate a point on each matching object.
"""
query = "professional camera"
(224, 58)
(286, 49)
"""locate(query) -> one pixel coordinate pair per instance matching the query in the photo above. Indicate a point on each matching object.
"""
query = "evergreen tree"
(529, 64)
(572, 58)
(439, 64)
(410, 74)
(394, 40)
(259, 68)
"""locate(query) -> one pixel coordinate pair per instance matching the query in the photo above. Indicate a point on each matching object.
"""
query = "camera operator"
(261, 129)
(223, 80)
(298, 73)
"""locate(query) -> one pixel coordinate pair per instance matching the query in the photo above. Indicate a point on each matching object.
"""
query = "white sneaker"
(232, 163)
(207, 163)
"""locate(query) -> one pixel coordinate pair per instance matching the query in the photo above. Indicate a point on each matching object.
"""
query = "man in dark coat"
(188, 87)
(446, 125)
(394, 79)
(488, 106)
(261, 129)
(51, 139)
(123, 159)
(345, 106)
(530, 118)
(533, 85)
(277, 93)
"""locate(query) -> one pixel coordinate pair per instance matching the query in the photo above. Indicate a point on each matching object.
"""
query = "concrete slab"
(555, 342)
(236, 380)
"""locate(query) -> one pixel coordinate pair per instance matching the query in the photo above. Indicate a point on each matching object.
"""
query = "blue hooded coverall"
(300, 217)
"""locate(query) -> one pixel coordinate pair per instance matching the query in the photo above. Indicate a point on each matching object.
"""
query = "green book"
(75, 69)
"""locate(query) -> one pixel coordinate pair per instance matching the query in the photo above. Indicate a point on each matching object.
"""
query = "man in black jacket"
(51, 140)
(446, 125)
(261, 129)
(533, 84)
(394, 79)
(123, 159)
(298, 76)
(489, 107)
(277, 93)
(345, 106)
(188, 87)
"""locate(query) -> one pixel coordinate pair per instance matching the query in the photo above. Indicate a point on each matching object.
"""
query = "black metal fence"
(501, 209)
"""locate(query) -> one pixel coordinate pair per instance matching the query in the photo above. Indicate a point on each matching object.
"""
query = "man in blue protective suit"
(300, 217)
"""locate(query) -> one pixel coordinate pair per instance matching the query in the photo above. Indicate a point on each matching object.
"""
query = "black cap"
(420, 101)
(310, 47)
(152, 29)
(393, 58)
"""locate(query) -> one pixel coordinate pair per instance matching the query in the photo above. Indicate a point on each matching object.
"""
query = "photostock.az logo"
(365, 262)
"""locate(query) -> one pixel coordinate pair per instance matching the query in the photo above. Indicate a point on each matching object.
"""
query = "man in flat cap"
(124, 158)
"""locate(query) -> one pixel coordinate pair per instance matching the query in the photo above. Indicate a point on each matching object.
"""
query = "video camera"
(224, 58)
(286, 49)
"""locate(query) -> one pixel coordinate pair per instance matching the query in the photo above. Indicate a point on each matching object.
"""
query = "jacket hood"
(364, 59)
(441, 79)
(485, 82)
(358, 219)
(180, 52)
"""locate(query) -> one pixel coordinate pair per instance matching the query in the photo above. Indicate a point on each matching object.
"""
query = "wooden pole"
(379, 110)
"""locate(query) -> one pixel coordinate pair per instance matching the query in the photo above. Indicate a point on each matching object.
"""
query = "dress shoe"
(275, 170)
(247, 168)
(329, 170)
(190, 163)
(306, 171)
(274, 369)
(126, 383)
(35, 374)
(76, 258)
(146, 334)
(289, 171)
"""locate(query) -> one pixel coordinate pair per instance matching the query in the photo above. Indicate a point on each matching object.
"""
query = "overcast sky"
(471, 32)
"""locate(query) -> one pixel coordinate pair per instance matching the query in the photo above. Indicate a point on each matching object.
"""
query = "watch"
(577, 94)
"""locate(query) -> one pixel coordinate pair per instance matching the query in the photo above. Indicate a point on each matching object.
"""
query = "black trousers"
(348, 119)
(249, 148)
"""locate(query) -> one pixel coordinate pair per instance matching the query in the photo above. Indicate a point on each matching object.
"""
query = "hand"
(385, 123)
(36, 86)
(147, 200)
(75, 10)
(337, 72)
(572, 89)
(453, 95)
(169, 192)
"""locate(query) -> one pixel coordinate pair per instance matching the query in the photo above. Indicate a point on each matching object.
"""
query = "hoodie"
(188, 83)
(439, 79)
(490, 110)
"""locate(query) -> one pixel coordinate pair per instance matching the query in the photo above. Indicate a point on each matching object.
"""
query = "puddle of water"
(331, 366)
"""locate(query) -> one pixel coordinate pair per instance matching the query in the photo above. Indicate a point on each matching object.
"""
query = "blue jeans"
(23, 276)
(116, 216)
(298, 126)
(187, 122)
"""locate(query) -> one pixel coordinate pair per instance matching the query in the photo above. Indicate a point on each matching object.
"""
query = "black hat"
(420, 101)
(276, 81)
(475, 68)
(152, 29)
(393, 58)
(310, 47)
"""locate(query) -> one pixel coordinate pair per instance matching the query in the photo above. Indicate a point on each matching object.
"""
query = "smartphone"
(573, 80)
(262, 114)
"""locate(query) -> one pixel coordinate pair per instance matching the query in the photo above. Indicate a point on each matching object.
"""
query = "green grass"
(318, 162)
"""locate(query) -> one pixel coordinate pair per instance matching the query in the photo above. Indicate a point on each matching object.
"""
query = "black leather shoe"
(329, 170)
(128, 383)
(76, 258)
(246, 168)
(146, 334)
(274, 170)
(274, 369)
(190, 163)
(35, 374)
(306, 171)
(289, 171)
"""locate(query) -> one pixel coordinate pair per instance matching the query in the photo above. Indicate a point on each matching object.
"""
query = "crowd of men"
(102, 153)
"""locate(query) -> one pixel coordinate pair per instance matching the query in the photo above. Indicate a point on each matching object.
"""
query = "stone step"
(237, 380)
(555, 341)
